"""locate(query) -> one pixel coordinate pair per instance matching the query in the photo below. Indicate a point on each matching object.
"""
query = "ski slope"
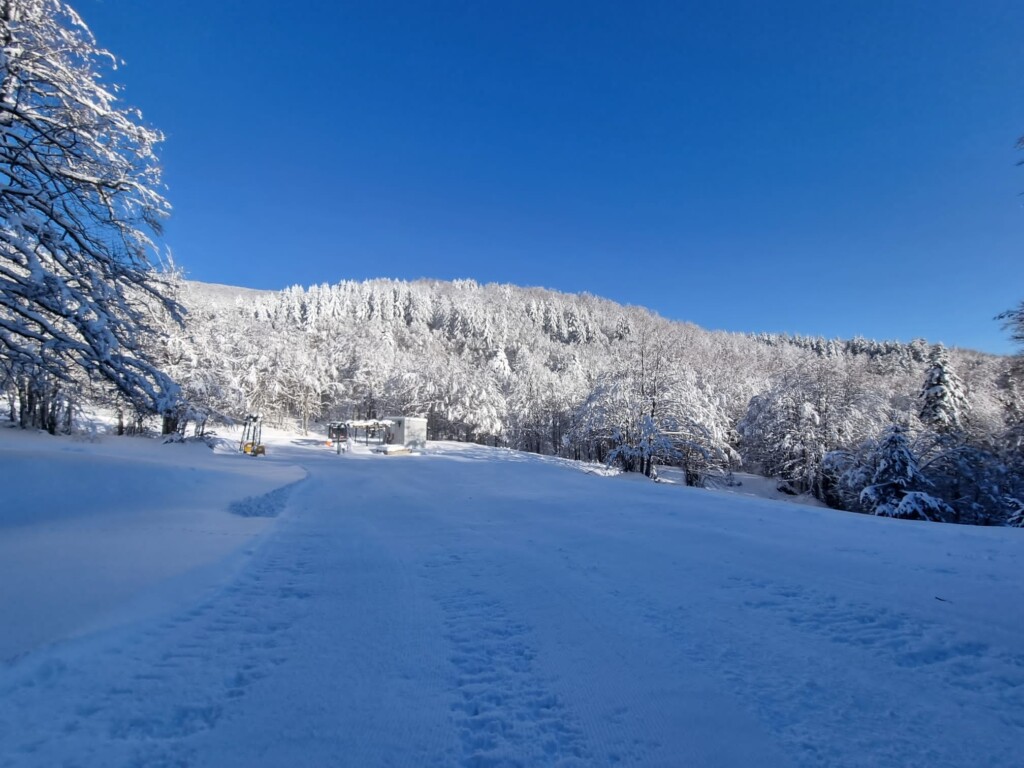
(479, 607)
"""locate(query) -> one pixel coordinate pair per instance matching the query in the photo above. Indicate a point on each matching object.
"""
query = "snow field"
(91, 532)
(475, 607)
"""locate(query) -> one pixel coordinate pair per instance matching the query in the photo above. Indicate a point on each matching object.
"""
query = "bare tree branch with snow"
(80, 206)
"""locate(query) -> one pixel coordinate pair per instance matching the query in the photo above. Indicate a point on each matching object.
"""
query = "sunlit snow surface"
(478, 607)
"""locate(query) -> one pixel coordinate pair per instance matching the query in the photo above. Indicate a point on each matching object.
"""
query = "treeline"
(907, 430)
(585, 378)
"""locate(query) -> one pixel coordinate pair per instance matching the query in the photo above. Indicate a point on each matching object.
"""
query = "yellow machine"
(251, 443)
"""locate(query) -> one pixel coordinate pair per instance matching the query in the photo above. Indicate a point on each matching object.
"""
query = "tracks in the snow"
(505, 711)
(821, 713)
(138, 701)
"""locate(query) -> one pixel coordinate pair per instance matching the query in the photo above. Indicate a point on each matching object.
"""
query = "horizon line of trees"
(905, 430)
(585, 378)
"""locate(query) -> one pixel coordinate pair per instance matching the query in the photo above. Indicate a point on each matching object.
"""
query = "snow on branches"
(79, 208)
(943, 399)
(892, 492)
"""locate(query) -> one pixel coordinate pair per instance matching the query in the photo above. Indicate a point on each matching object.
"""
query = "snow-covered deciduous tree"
(1013, 321)
(79, 208)
(809, 411)
(619, 421)
(650, 407)
(943, 399)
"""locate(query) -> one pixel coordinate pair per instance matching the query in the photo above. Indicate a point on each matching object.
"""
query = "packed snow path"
(474, 607)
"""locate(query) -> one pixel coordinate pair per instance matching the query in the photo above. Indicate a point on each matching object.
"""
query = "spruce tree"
(943, 396)
(892, 491)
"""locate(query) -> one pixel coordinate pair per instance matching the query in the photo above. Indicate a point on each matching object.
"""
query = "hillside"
(581, 377)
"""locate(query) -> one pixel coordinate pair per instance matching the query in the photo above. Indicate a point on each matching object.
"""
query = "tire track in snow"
(505, 713)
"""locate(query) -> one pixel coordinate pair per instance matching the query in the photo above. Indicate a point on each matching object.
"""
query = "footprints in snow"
(505, 713)
(908, 642)
(146, 699)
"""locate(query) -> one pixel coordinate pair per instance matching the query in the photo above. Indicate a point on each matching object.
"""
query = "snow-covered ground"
(86, 528)
(479, 607)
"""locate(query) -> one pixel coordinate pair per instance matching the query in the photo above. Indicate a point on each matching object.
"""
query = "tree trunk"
(170, 424)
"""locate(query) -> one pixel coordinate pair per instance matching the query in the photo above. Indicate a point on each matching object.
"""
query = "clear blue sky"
(817, 168)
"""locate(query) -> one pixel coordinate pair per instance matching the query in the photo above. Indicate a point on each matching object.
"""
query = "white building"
(408, 431)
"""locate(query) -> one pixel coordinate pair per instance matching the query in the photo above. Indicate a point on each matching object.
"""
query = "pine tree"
(891, 492)
(943, 398)
(1016, 516)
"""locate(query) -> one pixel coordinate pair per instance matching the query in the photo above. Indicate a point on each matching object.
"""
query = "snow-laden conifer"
(943, 397)
(892, 492)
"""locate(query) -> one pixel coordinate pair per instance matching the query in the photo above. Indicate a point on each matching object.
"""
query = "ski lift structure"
(397, 434)
(251, 443)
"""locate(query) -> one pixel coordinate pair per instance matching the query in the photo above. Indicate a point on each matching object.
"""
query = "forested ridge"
(905, 429)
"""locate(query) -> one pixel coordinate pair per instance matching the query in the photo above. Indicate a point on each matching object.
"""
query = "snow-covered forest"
(907, 430)
(88, 317)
